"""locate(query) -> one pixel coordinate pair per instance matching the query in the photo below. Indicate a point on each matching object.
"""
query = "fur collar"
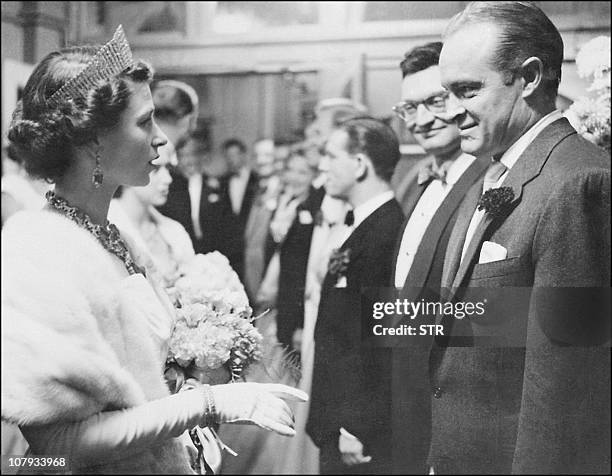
(78, 335)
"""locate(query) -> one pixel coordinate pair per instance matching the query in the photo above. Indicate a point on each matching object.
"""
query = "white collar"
(368, 207)
(319, 181)
(456, 169)
(510, 157)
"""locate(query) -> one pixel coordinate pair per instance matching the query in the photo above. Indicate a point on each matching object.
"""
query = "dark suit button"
(437, 392)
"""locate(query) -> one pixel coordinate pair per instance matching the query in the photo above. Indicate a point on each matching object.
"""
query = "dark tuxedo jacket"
(410, 376)
(351, 382)
(294, 251)
(222, 229)
(233, 243)
(538, 399)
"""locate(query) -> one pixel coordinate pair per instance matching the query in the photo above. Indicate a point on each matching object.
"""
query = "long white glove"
(260, 404)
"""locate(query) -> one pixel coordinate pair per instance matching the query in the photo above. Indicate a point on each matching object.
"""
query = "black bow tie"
(349, 219)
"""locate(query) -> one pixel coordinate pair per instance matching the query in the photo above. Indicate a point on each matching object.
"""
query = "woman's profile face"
(156, 192)
(130, 147)
(298, 175)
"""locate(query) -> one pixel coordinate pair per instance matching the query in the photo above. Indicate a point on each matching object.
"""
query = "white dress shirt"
(509, 158)
(195, 194)
(423, 212)
(237, 188)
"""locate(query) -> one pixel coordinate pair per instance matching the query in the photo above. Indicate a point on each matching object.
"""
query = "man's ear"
(532, 73)
(363, 164)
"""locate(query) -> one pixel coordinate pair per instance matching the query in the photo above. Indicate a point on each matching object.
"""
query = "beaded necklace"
(107, 235)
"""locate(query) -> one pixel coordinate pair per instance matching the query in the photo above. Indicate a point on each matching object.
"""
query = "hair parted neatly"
(375, 139)
(525, 31)
(420, 58)
(45, 134)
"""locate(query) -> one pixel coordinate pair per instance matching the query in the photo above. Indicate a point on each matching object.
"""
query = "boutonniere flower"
(496, 200)
(270, 204)
(338, 262)
(305, 217)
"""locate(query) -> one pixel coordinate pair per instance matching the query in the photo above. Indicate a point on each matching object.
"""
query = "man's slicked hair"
(525, 31)
(375, 139)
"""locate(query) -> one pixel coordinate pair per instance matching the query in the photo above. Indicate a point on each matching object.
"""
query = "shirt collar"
(458, 166)
(510, 157)
(364, 210)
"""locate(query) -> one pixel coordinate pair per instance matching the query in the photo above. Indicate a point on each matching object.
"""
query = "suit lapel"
(359, 237)
(426, 251)
(457, 237)
(525, 169)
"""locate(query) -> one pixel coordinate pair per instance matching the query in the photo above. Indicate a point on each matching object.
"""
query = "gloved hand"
(259, 404)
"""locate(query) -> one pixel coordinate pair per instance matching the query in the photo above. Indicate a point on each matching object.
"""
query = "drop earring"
(98, 176)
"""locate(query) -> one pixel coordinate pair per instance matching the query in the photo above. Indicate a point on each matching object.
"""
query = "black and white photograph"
(332, 237)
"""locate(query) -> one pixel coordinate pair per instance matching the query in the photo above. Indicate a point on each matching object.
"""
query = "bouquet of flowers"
(591, 116)
(214, 339)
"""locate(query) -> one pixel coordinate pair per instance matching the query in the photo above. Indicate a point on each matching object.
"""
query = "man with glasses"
(430, 205)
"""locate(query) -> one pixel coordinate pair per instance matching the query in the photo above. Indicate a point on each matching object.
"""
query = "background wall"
(260, 67)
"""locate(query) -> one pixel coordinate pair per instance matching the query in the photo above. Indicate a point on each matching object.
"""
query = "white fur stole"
(78, 336)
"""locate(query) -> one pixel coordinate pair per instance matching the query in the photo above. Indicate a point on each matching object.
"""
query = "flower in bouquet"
(215, 270)
(214, 320)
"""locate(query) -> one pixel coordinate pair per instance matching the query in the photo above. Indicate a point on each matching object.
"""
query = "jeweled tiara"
(110, 60)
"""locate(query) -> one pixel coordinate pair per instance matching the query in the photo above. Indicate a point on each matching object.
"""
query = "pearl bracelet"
(211, 416)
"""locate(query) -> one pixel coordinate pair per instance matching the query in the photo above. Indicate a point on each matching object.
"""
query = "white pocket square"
(492, 252)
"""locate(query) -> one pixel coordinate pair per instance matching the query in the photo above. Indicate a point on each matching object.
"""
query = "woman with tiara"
(85, 327)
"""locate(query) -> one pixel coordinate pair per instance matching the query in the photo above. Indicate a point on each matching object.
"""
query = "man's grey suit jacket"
(538, 399)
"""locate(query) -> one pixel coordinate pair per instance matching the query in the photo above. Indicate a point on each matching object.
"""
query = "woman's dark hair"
(45, 136)
(173, 100)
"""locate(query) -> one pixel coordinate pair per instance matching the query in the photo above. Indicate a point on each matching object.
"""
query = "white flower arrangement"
(591, 117)
(593, 61)
(214, 320)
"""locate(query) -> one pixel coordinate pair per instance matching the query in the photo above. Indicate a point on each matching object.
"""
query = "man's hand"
(351, 449)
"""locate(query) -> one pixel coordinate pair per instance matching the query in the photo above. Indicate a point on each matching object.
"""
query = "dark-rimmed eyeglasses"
(407, 110)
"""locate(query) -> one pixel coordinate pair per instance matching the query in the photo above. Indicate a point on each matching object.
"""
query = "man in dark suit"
(196, 200)
(431, 204)
(350, 408)
(525, 388)
(240, 186)
(292, 241)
